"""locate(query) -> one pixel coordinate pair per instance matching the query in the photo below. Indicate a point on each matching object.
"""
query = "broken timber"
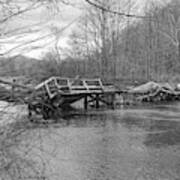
(50, 97)
(66, 91)
(56, 93)
(155, 92)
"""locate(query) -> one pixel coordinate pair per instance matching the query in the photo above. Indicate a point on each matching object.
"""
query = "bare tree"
(16, 161)
(170, 24)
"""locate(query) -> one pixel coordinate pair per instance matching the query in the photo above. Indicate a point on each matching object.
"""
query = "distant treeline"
(146, 49)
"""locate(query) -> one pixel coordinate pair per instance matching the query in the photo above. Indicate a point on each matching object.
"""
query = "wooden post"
(30, 111)
(13, 89)
(113, 101)
(97, 101)
(85, 102)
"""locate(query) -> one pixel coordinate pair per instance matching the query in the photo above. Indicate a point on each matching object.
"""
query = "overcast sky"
(36, 29)
(38, 25)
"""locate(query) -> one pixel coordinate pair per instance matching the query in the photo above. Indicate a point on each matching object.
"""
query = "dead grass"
(15, 160)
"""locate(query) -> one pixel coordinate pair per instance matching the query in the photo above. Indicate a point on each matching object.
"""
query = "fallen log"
(14, 84)
(36, 100)
(153, 92)
(145, 88)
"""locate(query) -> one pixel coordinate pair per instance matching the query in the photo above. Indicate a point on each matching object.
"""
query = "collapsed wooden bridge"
(56, 93)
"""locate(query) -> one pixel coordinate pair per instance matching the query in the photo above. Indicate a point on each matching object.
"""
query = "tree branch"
(117, 12)
(39, 38)
(29, 8)
(169, 37)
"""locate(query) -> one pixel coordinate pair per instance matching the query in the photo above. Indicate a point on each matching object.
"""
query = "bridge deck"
(66, 91)
(69, 87)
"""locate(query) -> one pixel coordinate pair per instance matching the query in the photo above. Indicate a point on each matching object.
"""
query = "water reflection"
(122, 144)
(149, 124)
(163, 139)
(160, 129)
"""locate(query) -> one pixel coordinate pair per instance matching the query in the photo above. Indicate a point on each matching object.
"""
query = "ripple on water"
(123, 144)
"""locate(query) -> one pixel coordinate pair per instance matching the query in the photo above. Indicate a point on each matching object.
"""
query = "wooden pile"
(36, 101)
(155, 92)
(14, 92)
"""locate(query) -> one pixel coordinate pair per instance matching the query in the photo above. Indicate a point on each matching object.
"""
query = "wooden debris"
(55, 93)
(154, 92)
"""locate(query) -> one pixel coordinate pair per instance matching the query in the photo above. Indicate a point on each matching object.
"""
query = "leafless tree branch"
(103, 8)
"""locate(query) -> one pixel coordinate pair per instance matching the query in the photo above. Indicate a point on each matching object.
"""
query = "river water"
(139, 143)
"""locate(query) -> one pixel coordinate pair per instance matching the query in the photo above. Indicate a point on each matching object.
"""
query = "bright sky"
(39, 29)
(38, 26)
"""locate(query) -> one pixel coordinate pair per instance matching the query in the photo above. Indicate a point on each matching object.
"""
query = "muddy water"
(141, 143)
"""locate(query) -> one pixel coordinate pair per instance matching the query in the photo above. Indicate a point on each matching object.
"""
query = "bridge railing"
(54, 85)
(48, 87)
(93, 84)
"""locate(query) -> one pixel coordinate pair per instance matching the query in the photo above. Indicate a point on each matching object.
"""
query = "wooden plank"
(14, 84)
(97, 101)
(85, 102)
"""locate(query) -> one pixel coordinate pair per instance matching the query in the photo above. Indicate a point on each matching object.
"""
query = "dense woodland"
(141, 49)
(114, 47)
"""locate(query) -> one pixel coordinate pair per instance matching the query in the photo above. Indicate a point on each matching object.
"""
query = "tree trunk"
(178, 37)
(103, 50)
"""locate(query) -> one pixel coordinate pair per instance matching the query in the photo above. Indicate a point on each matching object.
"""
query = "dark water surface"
(141, 143)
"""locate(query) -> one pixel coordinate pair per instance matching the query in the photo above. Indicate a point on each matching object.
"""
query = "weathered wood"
(49, 95)
(113, 100)
(97, 101)
(85, 102)
(14, 84)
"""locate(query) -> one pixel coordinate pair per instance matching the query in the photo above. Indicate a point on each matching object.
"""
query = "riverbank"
(11, 112)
